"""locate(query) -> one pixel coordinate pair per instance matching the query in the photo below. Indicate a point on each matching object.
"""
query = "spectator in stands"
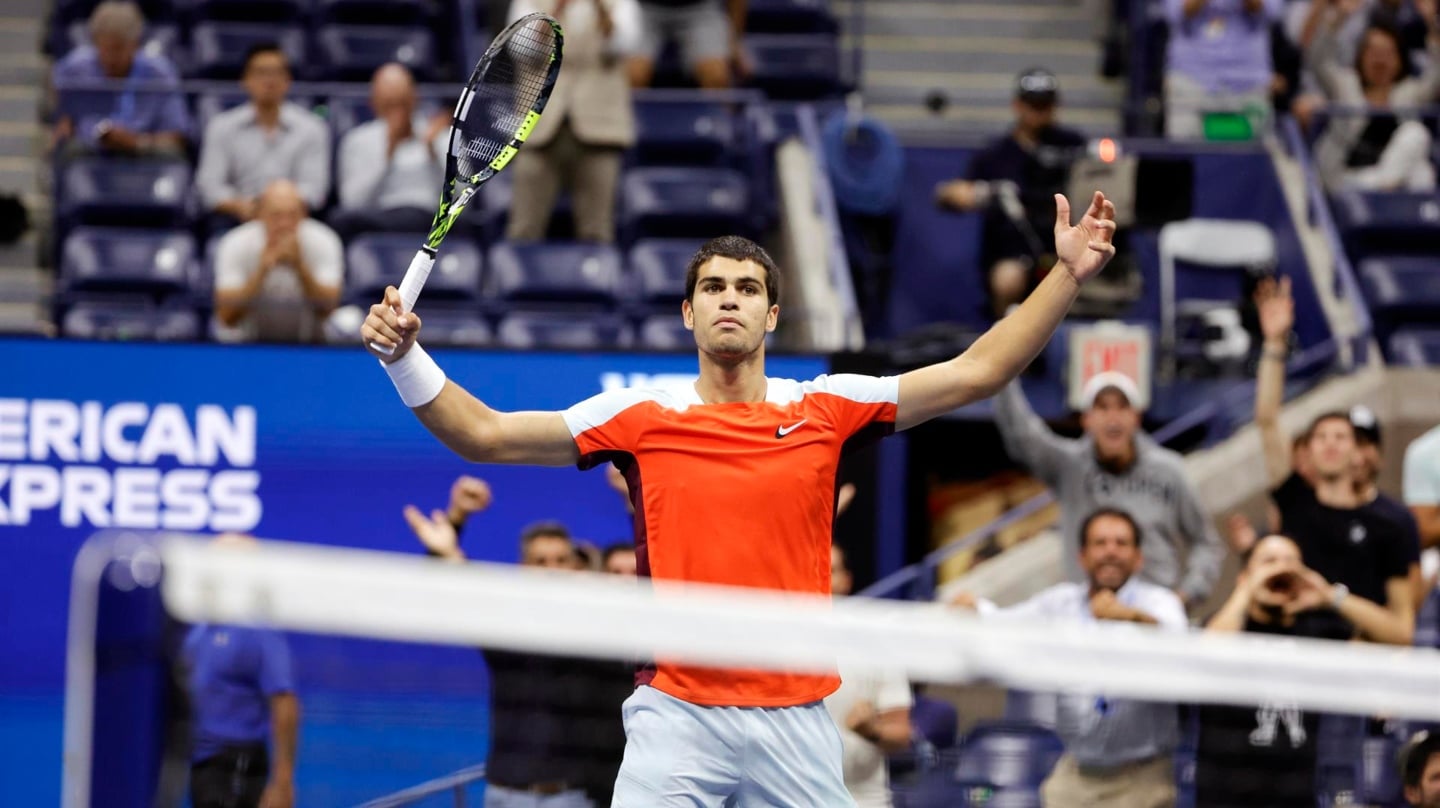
(143, 116)
(1350, 20)
(1265, 757)
(1032, 162)
(266, 139)
(1117, 752)
(1117, 465)
(245, 716)
(1388, 149)
(1363, 550)
(1420, 769)
(278, 277)
(619, 559)
(1369, 461)
(1217, 61)
(392, 168)
(872, 712)
(707, 32)
(1422, 495)
(588, 122)
(556, 738)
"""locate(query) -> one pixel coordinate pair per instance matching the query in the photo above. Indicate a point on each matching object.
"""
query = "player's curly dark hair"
(737, 248)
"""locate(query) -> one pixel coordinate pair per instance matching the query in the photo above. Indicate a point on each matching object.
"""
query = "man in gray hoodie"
(1115, 465)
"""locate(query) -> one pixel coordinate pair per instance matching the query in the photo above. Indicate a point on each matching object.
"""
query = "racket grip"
(415, 276)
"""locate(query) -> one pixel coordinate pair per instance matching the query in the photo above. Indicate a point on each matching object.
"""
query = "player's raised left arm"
(1003, 351)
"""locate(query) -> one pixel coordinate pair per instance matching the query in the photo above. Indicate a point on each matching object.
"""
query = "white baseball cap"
(1109, 380)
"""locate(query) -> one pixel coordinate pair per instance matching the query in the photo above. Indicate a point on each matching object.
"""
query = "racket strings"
(506, 93)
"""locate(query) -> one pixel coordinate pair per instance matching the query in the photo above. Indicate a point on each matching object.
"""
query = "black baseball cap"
(1037, 87)
(1365, 424)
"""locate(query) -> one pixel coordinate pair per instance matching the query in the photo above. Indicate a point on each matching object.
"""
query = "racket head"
(499, 107)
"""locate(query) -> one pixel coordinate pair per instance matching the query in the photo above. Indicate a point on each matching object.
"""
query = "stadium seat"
(127, 320)
(376, 260)
(159, 39)
(97, 259)
(563, 331)
(684, 132)
(1007, 755)
(1335, 784)
(493, 214)
(1389, 222)
(684, 202)
(219, 48)
(376, 12)
(666, 332)
(453, 325)
(126, 193)
(936, 720)
(658, 266)
(789, 16)
(1028, 707)
(242, 10)
(546, 273)
(1401, 290)
(1414, 347)
(1379, 781)
(352, 52)
(794, 66)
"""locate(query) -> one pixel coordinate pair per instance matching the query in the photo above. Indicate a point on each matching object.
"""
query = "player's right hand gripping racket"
(499, 106)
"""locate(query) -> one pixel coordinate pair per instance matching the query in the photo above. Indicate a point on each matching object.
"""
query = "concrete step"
(19, 103)
(905, 118)
(922, 19)
(1077, 65)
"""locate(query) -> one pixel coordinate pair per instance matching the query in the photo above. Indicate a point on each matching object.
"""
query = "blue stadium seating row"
(115, 284)
(655, 201)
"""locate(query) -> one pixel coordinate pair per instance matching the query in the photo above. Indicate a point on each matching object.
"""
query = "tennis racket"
(497, 110)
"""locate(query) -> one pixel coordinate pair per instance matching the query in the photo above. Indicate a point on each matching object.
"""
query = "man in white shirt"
(1422, 494)
(278, 277)
(392, 168)
(1118, 753)
(872, 713)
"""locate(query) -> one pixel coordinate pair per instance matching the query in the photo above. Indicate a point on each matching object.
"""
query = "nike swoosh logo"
(782, 431)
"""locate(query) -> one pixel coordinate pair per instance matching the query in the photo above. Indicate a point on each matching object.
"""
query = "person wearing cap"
(1116, 465)
(1419, 761)
(1367, 474)
(1034, 159)
(1362, 553)
(1217, 59)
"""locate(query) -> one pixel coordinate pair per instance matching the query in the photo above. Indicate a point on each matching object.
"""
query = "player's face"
(267, 78)
(730, 311)
(621, 563)
(550, 552)
(115, 54)
(1332, 448)
(1110, 555)
(1112, 424)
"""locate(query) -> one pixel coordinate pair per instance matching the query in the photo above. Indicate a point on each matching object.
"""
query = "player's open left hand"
(1085, 248)
(385, 325)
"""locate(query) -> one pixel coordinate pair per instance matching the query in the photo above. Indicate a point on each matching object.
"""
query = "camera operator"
(1014, 181)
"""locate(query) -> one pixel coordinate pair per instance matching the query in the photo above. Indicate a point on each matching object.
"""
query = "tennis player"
(733, 482)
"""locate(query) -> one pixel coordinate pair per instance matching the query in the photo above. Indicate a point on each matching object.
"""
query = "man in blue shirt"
(242, 693)
(142, 113)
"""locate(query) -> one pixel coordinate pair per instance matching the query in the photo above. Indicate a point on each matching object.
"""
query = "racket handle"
(410, 286)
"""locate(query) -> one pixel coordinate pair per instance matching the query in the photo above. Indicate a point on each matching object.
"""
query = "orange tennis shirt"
(741, 494)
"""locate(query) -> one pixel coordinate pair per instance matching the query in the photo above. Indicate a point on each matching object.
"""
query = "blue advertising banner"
(293, 443)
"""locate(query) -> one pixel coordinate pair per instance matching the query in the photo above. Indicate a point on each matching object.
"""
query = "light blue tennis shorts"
(688, 756)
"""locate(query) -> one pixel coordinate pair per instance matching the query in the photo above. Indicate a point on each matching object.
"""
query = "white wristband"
(417, 378)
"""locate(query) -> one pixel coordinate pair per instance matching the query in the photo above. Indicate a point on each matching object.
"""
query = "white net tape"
(405, 597)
